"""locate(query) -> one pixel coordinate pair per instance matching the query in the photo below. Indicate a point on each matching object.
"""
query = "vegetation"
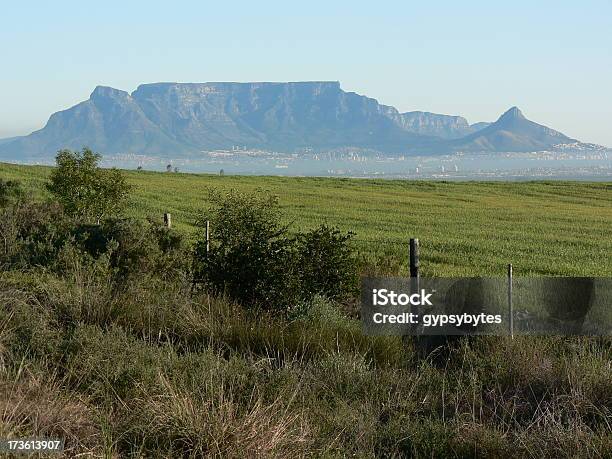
(84, 189)
(104, 342)
(467, 228)
(256, 261)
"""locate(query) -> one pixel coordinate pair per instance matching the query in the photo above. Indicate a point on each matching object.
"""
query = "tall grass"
(152, 370)
(166, 374)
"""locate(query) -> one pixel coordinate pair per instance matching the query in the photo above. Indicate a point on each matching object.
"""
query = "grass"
(150, 370)
(467, 228)
(169, 375)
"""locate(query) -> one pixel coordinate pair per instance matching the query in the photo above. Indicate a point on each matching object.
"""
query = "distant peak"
(101, 92)
(512, 114)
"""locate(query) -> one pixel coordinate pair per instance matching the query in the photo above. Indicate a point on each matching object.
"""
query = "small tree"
(87, 191)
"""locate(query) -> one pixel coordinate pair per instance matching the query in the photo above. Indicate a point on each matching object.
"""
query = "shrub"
(326, 263)
(10, 191)
(136, 248)
(86, 190)
(252, 258)
(32, 233)
(256, 261)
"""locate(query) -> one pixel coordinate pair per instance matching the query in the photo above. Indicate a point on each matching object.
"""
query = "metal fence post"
(510, 311)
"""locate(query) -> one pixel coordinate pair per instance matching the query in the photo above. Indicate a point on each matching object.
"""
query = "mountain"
(433, 124)
(282, 116)
(511, 132)
(478, 126)
(8, 139)
(110, 121)
(184, 119)
(174, 118)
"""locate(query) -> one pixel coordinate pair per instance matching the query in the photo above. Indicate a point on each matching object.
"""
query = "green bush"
(255, 260)
(252, 258)
(326, 263)
(84, 189)
(10, 191)
(32, 233)
(135, 247)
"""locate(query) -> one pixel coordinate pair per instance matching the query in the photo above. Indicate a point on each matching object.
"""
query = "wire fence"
(381, 241)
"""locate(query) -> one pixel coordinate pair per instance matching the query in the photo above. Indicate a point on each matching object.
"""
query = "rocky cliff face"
(433, 124)
(174, 119)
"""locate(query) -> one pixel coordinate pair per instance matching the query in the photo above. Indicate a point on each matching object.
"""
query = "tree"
(85, 190)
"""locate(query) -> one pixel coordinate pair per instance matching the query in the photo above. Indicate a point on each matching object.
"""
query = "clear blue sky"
(553, 59)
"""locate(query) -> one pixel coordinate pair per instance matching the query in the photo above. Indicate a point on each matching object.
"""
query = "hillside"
(512, 132)
(469, 228)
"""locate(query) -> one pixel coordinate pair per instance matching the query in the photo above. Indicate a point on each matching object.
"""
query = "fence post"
(510, 308)
(167, 220)
(414, 273)
(207, 237)
(414, 260)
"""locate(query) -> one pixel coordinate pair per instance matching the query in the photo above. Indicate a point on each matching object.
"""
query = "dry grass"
(37, 405)
(219, 424)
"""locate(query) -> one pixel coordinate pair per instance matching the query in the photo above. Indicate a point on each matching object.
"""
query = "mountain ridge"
(187, 118)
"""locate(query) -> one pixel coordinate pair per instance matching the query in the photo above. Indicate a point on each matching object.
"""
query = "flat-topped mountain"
(185, 119)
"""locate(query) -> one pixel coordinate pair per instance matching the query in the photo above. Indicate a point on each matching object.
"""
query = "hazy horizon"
(476, 61)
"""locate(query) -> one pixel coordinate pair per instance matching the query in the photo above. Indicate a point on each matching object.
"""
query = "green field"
(137, 363)
(467, 228)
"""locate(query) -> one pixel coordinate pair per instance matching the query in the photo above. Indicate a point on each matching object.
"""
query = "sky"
(552, 59)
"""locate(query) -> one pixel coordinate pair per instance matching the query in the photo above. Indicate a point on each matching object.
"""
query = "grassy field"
(137, 366)
(469, 228)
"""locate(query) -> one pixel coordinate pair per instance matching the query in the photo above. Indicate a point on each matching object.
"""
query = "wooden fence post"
(510, 311)
(414, 260)
(167, 220)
